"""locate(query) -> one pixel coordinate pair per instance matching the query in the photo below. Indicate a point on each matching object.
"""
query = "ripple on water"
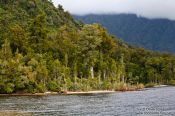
(151, 102)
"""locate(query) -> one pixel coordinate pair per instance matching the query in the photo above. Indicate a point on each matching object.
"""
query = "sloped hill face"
(155, 34)
(21, 12)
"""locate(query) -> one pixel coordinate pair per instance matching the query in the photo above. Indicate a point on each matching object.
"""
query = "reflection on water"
(150, 102)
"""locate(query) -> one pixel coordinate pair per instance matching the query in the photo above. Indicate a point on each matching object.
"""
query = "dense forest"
(42, 48)
(153, 34)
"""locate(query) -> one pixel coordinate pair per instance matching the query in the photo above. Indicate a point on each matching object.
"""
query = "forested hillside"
(154, 34)
(43, 49)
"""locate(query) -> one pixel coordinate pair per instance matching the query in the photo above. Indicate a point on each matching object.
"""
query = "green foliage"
(9, 88)
(53, 86)
(39, 54)
(128, 87)
(150, 85)
(41, 88)
(31, 87)
(172, 82)
(107, 85)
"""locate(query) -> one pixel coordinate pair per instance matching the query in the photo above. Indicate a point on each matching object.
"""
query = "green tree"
(38, 34)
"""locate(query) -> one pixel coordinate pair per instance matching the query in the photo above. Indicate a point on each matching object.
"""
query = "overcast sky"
(146, 8)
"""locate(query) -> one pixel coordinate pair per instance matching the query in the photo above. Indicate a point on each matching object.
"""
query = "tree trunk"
(104, 75)
(123, 79)
(92, 71)
(75, 78)
(99, 78)
(75, 72)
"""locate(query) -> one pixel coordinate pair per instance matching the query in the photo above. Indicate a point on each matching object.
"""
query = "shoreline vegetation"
(120, 88)
(62, 93)
(48, 93)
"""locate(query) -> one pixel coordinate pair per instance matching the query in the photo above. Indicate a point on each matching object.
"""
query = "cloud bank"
(145, 8)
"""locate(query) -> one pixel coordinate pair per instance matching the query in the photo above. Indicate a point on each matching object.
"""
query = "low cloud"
(145, 8)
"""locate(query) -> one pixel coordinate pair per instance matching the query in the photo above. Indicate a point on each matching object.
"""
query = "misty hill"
(154, 34)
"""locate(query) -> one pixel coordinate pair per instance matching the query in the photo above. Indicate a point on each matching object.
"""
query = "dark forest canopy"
(42, 48)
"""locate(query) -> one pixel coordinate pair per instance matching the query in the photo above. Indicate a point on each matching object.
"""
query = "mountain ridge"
(154, 34)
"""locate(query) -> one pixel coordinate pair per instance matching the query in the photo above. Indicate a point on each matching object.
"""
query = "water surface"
(150, 102)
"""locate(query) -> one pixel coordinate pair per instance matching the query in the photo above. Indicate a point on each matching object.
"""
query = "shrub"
(172, 82)
(40, 87)
(9, 88)
(93, 83)
(128, 87)
(31, 87)
(120, 87)
(53, 86)
(140, 86)
(148, 85)
(106, 85)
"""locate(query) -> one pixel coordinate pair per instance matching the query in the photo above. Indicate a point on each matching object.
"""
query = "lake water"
(150, 102)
